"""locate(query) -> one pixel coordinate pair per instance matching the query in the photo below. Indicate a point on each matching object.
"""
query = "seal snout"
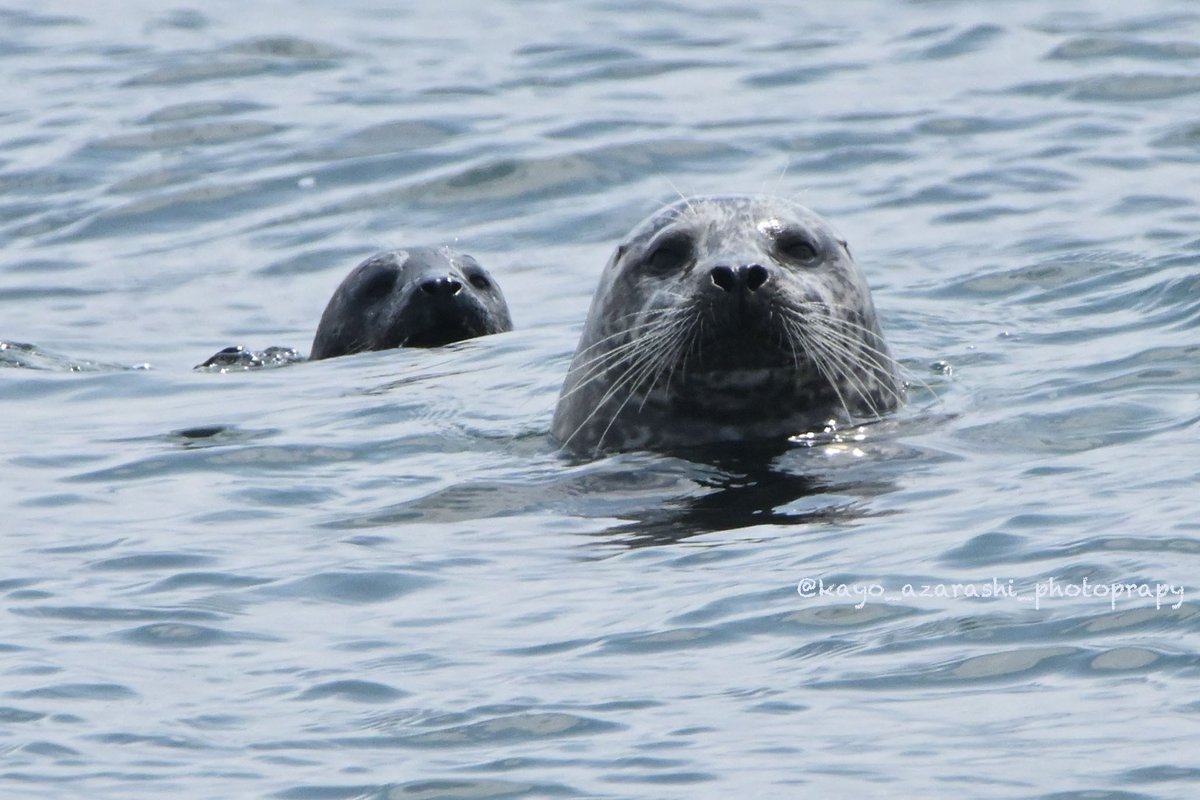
(744, 278)
(441, 286)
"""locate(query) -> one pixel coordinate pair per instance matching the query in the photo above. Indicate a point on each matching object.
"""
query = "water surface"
(374, 577)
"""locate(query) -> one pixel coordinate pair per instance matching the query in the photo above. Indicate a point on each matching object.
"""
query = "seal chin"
(443, 322)
(734, 349)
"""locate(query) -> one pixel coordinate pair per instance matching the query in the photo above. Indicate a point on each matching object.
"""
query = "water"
(374, 576)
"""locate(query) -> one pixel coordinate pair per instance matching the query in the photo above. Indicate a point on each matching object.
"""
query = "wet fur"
(667, 361)
(380, 304)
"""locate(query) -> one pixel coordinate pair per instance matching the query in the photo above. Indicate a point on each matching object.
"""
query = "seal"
(725, 319)
(416, 297)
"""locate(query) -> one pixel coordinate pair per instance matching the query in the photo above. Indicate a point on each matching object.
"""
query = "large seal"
(725, 319)
(417, 297)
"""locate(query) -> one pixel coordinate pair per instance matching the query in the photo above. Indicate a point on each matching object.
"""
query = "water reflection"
(645, 499)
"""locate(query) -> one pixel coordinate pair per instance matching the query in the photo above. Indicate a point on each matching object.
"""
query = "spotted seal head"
(418, 297)
(724, 319)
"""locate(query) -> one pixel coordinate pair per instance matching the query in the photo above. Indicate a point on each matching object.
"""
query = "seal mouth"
(446, 321)
(741, 341)
(745, 354)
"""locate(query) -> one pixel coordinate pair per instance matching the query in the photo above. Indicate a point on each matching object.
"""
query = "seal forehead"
(429, 257)
(390, 258)
(728, 219)
(447, 256)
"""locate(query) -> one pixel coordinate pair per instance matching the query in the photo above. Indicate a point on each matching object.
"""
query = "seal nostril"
(755, 275)
(724, 278)
(441, 287)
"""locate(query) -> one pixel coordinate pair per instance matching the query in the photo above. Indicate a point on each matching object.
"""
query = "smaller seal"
(415, 297)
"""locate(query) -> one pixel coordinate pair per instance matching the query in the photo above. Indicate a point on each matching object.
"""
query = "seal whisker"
(633, 377)
(676, 343)
(603, 361)
(645, 355)
(884, 359)
(682, 197)
(663, 351)
(859, 380)
(818, 358)
(597, 366)
(846, 330)
(851, 352)
(838, 365)
(650, 371)
(616, 354)
(859, 333)
(651, 318)
(843, 354)
(832, 331)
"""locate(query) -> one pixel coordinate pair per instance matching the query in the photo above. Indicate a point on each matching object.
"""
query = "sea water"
(375, 576)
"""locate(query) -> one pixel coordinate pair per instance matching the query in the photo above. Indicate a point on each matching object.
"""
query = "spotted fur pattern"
(725, 319)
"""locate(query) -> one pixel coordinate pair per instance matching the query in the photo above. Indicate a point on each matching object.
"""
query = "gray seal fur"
(725, 319)
(416, 297)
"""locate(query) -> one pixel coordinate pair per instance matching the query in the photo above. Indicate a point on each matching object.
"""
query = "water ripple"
(374, 577)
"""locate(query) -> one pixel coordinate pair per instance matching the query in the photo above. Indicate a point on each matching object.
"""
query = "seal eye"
(795, 246)
(474, 273)
(669, 255)
(379, 284)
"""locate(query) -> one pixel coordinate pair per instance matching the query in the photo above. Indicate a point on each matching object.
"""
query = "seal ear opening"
(845, 246)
